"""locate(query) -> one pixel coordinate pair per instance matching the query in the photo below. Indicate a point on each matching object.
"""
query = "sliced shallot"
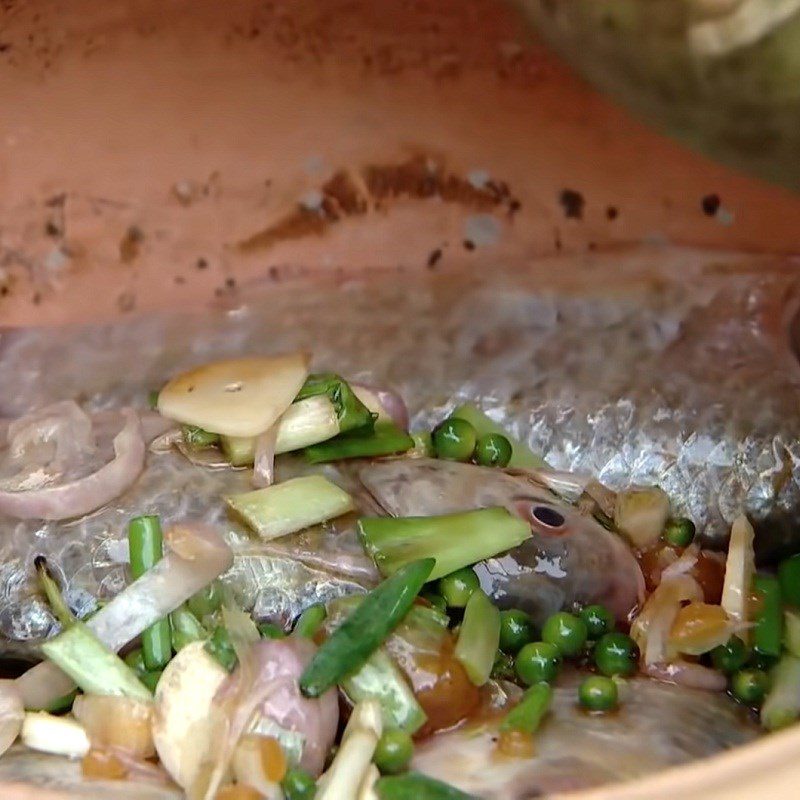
(195, 556)
(79, 497)
(376, 398)
(264, 462)
(268, 687)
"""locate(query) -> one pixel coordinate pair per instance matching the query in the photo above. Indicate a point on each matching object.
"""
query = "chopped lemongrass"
(95, 668)
(478, 638)
(782, 704)
(353, 758)
(366, 790)
(235, 397)
(351, 413)
(522, 457)
(61, 736)
(454, 540)
(382, 680)
(385, 440)
(640, 514)
(239, 450)
(739, 570)
(290, 506)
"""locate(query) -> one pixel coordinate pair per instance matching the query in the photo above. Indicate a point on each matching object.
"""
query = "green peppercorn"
(566, 631)
(537, 662)
(455, 440)
(749, 686)
(616, 654)
(598, 619)
(393, 752)
(516, 630)
(679, 532)
(297, 784)
(730, 657)
(598, 693)
(457, 587)
(493, 450)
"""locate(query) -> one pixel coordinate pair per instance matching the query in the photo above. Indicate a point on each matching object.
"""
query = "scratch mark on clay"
(354, 193)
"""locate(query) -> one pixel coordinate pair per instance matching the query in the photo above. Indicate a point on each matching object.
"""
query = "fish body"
(656, 726)
(574, 562)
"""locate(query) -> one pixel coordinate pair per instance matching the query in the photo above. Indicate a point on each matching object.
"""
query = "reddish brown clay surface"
(166, 155)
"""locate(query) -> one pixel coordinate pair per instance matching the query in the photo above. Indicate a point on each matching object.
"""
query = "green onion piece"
(151, 679)
(782, 704)
(221, 648)
(365, 630)
(351, 412)
(381, 679)
(206, 601)
(527, 715)
(310, 621)
(306, 422)
(791, 631)
(522, 456)
(290, 506)
(789, 577)
(414, 786)
(152, 399)
(454, 540)
(53, 593)
(478, 638)
(239, 450)
(93, 667)
(197, 438)
(386, 440)
(269, 630)
(768, 633)
(146, 549)
(185, 628)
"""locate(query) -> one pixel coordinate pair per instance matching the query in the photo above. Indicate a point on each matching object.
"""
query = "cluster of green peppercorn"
(587, 633)
(456, 439)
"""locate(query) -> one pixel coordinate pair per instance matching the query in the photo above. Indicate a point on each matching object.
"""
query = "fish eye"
(548, 516)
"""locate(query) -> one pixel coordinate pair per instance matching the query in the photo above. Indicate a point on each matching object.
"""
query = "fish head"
(570, 559)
